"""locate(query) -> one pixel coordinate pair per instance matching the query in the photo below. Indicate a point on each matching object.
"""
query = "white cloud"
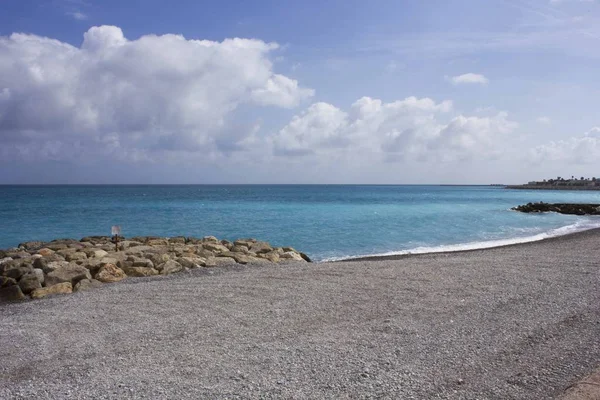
(583, 149)
(405, 129)
(469, 78)
(544, 120)
(124, 97)
(78, 15)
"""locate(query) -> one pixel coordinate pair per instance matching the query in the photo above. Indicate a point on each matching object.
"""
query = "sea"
(328, 222)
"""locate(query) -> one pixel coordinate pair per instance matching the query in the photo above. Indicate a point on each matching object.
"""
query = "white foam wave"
(582, 225)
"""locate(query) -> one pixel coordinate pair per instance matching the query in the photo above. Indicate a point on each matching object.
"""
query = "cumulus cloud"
(583, 149)
(469, 78)
(405, 129)
(131, 98)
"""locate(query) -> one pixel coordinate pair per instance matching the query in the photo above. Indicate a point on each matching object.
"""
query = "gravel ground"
(518, 322)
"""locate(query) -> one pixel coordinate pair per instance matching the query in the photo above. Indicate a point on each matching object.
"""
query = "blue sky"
(311, 92)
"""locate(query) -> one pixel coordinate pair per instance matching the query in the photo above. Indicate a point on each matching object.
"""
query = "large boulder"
(291, 256)
(215, 247)
(99, 253)
(11, 293)
(191, 262)
(45, 252)
(48, 267)
(110, 273)
(76, 256)
(170, 267)
(40, 275)
(156, 258)
(86, 284)
(71, 273)
(260, 247)
(272, 256)
(59, 288)
(34, 245)
(15, 269)
(210, 239)
(238, 257)
(139, 271)
(29, 282)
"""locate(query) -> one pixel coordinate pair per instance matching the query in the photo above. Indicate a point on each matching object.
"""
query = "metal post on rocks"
(115, 231)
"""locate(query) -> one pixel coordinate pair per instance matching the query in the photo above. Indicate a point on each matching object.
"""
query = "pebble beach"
(518, 322)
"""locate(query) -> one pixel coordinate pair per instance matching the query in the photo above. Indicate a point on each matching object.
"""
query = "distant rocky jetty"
(562, 208)
(39, 269)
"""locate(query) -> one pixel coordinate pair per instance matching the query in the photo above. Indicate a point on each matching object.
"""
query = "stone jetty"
(39, 269)
(562, 208)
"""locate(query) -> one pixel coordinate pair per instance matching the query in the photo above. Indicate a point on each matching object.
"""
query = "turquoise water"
(325, 221)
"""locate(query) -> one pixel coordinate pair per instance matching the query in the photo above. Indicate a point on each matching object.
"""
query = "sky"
(339, 91)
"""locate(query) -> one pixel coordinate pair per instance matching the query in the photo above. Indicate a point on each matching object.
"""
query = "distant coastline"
(551, 187)
(560, 183)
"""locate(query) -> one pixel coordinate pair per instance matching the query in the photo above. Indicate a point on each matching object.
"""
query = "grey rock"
(51, 266)
(34, 245)
(40, 275)
(76, 256)
(170, 267)
(29, 282)
(71, 273)
(15, 269)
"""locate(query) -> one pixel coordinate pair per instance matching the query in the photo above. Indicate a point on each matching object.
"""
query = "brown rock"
(215, 247)
(45, 252)
(140, 271)
(110, 273)
(191, 262)
(59, 288)
(260, 247)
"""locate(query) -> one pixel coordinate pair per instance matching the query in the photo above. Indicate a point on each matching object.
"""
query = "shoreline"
(432, 250)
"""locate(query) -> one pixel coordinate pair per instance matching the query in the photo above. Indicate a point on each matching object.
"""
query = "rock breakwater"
(38, 269)
(562, 208)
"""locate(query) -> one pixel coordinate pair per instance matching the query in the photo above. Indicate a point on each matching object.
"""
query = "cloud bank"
(130, 98)
(409, 129)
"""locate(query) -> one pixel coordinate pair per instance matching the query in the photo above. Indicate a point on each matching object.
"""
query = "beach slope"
(518, 322)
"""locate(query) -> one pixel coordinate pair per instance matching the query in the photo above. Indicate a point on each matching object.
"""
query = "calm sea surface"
(325, 221)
